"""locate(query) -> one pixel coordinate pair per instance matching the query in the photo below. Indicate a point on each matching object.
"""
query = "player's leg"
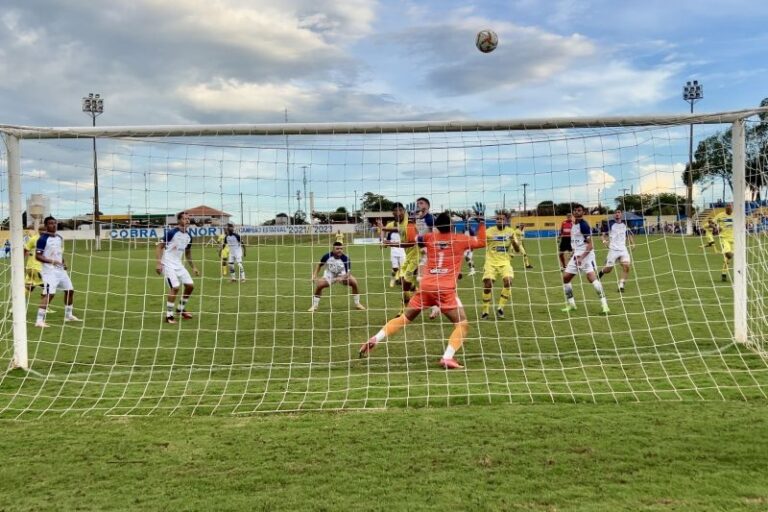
(172, 280)
(727, 256)
(626, 263)
(458, 335)
(488, 277)
(561, 256)
(469, 257)
(597, 285)
(231, 266)
(321, 285)
(69, 298)
(42, 309)
(506, 292)
(393, 326)
(526, 259)
(350, 281)
(240, 267)
(610, 261)
(568, 273)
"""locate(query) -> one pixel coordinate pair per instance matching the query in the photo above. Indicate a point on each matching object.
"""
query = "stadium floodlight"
(693, 91)
(93, 105)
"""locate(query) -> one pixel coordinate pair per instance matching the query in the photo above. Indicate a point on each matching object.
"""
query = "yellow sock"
(486, 302)
(725, 265)
(505, 294)
(458, 335)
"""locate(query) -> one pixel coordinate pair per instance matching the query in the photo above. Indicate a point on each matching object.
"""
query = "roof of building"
(205, 211)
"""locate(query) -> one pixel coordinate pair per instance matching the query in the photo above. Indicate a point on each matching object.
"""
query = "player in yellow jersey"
(499, 239)
(724, 223)
(406, 230)
(32, 266)
(339, 236)
(520, 248)
(223, 253)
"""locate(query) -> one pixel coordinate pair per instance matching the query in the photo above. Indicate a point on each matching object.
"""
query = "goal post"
(253, 346)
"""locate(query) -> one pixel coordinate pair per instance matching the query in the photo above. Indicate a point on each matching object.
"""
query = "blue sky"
(245, 61)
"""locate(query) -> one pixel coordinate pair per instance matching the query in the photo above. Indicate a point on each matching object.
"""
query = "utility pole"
(304, 179)
(692, 92)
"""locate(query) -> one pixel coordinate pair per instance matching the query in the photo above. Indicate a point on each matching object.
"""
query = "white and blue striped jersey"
(618, 236)
(176, 242)
(51, 247)
(580, 233)
(234, 243)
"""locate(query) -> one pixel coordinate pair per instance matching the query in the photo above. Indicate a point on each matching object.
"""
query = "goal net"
(686, 327)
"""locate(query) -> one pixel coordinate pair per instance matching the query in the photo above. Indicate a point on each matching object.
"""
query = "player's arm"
(478, 241)
(240, 241)
(188, 257)
(630, 238)
(159, 257)
(320, 265)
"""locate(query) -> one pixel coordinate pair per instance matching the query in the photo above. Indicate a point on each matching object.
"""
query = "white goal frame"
(13, 134)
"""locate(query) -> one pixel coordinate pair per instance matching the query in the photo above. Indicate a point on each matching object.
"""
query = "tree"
(371, 202)
(545, 208)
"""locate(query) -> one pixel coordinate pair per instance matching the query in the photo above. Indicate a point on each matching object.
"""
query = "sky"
(250, 61)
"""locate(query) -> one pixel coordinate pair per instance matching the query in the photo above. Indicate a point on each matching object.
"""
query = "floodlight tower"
(692, 92)
(93, 105)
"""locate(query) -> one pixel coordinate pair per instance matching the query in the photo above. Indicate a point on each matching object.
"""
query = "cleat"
(366, 347)
(434, 312)
(41, 325)
(450, 364)
(71, 318)
(186, 316)
(472, 272)
(568, 308)
(605, 310)
(170, 320)
(724, 278)
(50, 311)
(500, 313)
(391, 283)
(484, 315)
(621, 289)
(529, 266)
(312, 309)
(232, 280)
(360, 307)
(242, 280)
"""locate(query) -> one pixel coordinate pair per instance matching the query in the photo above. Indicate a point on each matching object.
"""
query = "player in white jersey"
(236, 252)
(50, 252)
(582, 260)
(616, 239)
(337, 270)
(176, 245)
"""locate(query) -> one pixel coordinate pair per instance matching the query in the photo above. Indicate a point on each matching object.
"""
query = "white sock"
(449, 352)
(380, 336)
(68, 311)
(242, 270)
(621, 283)
(183, 303)
(169, 309)
(568, 289)
(41, 314)
(315, 301)
(598, 287)
(356, 298)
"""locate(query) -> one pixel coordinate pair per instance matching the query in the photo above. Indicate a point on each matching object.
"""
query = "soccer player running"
(499, 239)
(616, 239)
(176, 244)
(583, 260)
(50, 252)
(724, 223)
(564, 241)
(234, 243)
(445, 252)
(337, 270)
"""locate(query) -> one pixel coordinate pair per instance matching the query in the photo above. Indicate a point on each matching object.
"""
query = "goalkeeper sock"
(505, 294)
(456, 339)
(391, 327)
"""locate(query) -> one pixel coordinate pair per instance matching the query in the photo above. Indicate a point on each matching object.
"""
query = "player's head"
(182, 219)
(729, 208)
(422, 204)
(501, 219)
(618, 215)
(398, 212)
(578, 211)
(50, 224)
(569, 217)
(443, 222)
(338, 248)
(230, 228)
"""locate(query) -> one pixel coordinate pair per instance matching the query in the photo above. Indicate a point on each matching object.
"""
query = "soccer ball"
(486, 41)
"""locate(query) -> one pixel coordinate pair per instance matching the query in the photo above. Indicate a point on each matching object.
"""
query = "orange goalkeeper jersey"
(445, 253)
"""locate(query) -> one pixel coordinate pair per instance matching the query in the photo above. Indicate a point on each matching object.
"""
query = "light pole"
(525, 199)
(304, 179)
(93, 105)
(692, 92)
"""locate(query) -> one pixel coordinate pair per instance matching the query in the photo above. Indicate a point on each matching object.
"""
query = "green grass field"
(252, 347)
(652, 408)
